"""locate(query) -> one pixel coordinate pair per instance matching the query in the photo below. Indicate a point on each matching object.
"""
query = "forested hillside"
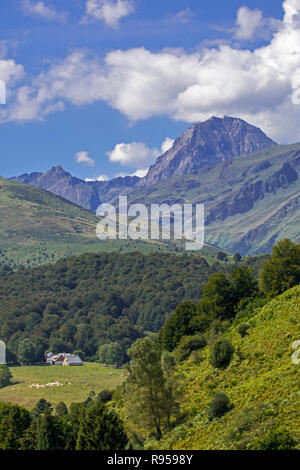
(83, 302)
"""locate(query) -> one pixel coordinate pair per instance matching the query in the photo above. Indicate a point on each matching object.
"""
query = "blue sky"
(102, 87)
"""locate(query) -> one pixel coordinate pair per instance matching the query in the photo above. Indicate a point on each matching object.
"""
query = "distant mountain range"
(249, 184)
(88, 195)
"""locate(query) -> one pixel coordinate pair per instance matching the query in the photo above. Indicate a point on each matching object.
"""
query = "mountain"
(88, 195)
(251, 202)
(203, 144)
(207, 144)
(38, 227)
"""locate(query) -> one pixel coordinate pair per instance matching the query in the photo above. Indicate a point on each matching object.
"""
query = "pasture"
(58, 383)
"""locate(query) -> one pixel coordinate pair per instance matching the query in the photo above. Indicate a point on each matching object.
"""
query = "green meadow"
(75, 383)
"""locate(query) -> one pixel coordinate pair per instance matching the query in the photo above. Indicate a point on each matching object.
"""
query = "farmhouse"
(71, 360)
(63, 359)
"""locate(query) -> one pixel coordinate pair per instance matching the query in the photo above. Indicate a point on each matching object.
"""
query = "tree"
(100, 429)
(14, 420)
(219, 405)
(237, 257)
(61, 409)
(243, 284)
(150, 388)
(105, 395)
(281, 270)
(221, 354)
(111, 354)
(218, 297)
(26, 352)
(5, 376)
(177, 326)
(43, 407)
(46, 433)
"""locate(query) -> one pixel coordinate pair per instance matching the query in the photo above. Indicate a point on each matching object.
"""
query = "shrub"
(105, 396)
(276, 440)
(221, 354)
(219, 405)
(189, 344)
(221, 256)
(243, 330)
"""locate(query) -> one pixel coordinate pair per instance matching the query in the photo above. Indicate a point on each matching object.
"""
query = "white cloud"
(138, 155)
(251, 24)
(140, 173)
(183, 16)
(83, 157)
(109, 11)
(99, 178)
(167, 144)
(261, 86)
(41, 10)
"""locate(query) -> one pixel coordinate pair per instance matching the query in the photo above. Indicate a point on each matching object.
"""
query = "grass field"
(75, 383)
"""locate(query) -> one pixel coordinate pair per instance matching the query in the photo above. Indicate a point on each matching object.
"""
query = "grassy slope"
(37, 227)
(272, 218)
(77, 383)
(266, 381)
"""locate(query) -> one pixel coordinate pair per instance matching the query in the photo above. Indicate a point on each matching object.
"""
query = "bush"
(105, 396)
(276, 440)
(243, 330)
(221, 256)
(189, 344)
(221, 354)
(219, 405)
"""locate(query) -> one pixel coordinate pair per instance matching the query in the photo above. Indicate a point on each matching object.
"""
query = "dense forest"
(82, 303)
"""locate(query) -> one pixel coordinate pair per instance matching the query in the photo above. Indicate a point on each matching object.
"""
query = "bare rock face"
(207, 144)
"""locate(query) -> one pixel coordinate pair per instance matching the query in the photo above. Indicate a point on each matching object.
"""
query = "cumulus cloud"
(138, 155)
(41, 10)
(251, 24)
(261, 86)
(109, 11)
(83, 157)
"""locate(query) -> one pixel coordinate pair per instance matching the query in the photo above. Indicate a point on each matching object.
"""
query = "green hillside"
(37, 227)
(261, 382)
(251, 202)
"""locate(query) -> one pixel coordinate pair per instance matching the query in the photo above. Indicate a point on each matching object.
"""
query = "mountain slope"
(261, 382)
(37, 227)
(251, 202)
(88, 195)
(207, 144)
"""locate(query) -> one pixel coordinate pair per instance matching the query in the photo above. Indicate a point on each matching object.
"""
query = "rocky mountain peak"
(208, 143)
